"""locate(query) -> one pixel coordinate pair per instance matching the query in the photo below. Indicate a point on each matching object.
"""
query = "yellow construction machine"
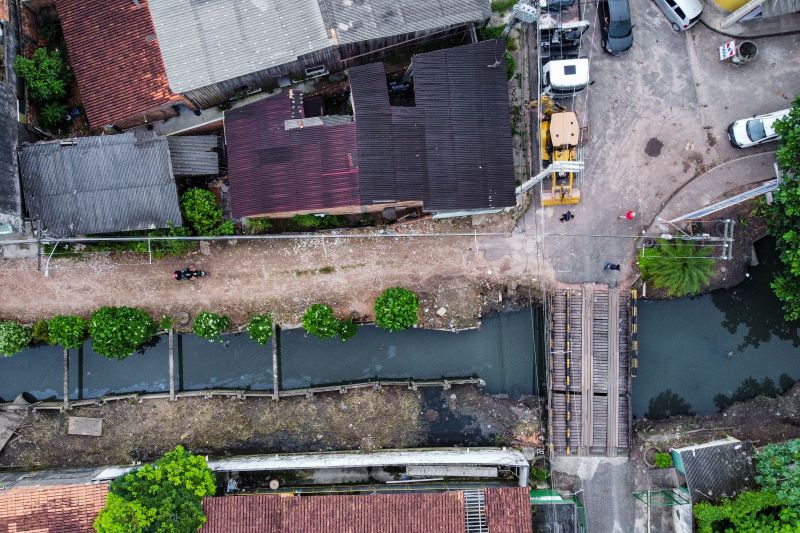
(559, 137)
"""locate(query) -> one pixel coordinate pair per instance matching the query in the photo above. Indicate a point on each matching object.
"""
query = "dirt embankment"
(363, 419)
(760, 420)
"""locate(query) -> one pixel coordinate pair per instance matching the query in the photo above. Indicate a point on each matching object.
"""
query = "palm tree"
(681, 267)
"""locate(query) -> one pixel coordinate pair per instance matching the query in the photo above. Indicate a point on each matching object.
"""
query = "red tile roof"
(441, 512)
(274, 170)
(508, 510)
(52, 509)
(115, 56)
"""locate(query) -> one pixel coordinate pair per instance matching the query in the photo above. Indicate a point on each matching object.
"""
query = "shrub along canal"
(502, 352)
(698, 354)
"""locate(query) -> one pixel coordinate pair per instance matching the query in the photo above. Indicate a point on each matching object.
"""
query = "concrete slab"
(82, 425)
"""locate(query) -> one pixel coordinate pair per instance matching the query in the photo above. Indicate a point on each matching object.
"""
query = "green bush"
(681, 267)
(501, 6)
(490, 32)
(663, 460)
(40, 335)
(13, 338)
(210, 325)
(319, 321)
(511, 65)
(396, 308)
(165, 248)
(166, 323)
(258, 226)
(52, 115)
(260, 328)
(45, 74)
(347, 329)
(67, 331)
(117, 332)
(200, 210)
(539, 474)
(164, 497)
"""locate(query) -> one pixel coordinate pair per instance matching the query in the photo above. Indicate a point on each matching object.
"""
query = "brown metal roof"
(52, 509)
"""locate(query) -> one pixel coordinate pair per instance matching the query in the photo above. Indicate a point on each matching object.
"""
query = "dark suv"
(615, 25)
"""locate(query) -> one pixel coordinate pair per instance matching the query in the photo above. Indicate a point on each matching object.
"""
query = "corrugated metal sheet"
(364, 20)
(273, 170)
(464, 93)
(10, 194)
(115, 58)
(717, 471)
(194, 155)
(100, 185)
(205, 42)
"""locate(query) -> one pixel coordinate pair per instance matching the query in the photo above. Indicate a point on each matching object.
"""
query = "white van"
(682, 14)
(564, 77)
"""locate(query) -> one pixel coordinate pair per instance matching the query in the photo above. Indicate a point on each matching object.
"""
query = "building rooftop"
(10, 194)
(375, 19)
(451, 151)
(100, 184)
(717, 469)
(115, 57)
(58, 508)
(507, 511)
(203, 43)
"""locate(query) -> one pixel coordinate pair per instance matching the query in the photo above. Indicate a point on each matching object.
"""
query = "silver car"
(682, 14)
(760, 129)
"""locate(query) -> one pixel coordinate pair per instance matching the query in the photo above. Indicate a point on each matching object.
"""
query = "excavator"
(559, 137)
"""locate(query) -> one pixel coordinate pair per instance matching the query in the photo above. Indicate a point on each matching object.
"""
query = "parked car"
(616, 30)
(757, 130)
(682, 14)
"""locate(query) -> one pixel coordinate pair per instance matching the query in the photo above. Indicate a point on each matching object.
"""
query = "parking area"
(657, 118)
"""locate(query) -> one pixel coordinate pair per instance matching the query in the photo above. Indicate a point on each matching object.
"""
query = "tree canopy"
(200, 210)
(67, 331)
(210, 326)
(681, 267)
(162, 497)
(320, 321)
(13, 338)
(117, 332)
(783, 215)
(260, 328)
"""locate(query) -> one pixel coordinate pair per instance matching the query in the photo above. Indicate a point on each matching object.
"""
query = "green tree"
(778, 470)
(67, 331)
(52, 115)
(45, 74)
(319, 321)
(260, 328)
(396, 308)
(117, 332)
(783, 215)
(164, 497)
(40, 335)
(210, 325)
(681, 267)
(13, 338)
(200, 210)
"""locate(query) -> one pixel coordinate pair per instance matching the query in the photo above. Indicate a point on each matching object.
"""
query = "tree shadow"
(668, 404)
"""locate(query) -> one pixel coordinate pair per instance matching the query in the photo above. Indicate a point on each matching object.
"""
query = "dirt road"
(281, 277)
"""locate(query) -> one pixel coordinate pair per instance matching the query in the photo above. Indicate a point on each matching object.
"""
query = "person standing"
(630, 215)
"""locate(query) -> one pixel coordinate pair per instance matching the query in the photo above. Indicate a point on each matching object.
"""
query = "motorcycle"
(188, 273)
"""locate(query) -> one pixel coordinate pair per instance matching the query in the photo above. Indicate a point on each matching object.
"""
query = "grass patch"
(327, 270)
(501, 6)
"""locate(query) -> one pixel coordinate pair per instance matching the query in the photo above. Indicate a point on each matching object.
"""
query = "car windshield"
(619, 29)
(755, 130)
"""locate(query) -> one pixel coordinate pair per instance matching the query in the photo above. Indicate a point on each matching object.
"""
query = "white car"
(760, 129)
(682, 14)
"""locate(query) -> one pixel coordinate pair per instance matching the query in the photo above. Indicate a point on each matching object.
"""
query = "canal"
(699, 354)
(502, 353)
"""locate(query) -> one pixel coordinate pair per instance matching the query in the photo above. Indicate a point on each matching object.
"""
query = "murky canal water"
(697, 354)
(501, 352)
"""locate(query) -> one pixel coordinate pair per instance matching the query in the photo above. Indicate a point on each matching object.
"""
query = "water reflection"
(668, 404)
(751, 388)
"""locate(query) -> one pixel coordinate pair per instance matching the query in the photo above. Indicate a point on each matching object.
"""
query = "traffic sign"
(727, 50)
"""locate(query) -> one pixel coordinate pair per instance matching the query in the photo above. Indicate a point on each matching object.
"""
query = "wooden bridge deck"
(588, 371)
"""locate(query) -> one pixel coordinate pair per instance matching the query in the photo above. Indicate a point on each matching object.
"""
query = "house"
(100, 184)
(450, 153)
(10, 194)
(214, 50)
(61, 507)
(711, 471)
(114, 54)
(504, 510)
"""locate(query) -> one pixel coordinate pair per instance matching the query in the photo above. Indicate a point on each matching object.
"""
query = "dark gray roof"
(453, 149)
(10, 195)
(194, 155)
(208, 41)
(718, 469)
(464, 93)
(364, 20)
(100, 184)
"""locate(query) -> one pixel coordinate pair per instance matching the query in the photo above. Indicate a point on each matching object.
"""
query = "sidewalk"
(713, 17)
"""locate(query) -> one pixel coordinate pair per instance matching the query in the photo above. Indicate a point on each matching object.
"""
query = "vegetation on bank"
(774, 507)
(319, 321)
(680, 267)
(783, 215)
(210, 326)
(396, 309)
(165, 496)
